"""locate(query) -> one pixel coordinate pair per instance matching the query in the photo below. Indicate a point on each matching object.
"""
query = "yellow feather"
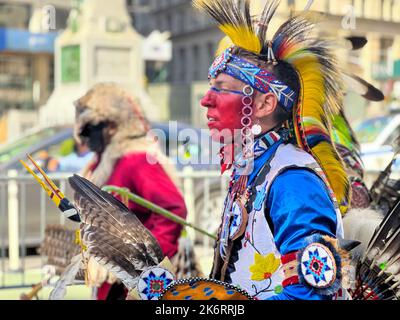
(224, 44)
(242, 37)
(199, 4)
(313, 105)
(326, 154)
(240, 34)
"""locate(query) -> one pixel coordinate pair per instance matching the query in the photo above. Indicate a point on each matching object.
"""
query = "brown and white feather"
(114, 236)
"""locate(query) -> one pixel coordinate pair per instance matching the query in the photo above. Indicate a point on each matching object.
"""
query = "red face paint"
(224, 114)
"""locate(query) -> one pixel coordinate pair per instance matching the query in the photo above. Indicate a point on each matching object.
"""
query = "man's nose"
(208, 100)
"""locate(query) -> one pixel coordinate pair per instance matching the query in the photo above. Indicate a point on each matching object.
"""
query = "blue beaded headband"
(254, 76)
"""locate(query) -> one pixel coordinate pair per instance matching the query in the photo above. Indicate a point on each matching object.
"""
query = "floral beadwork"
(264, 267)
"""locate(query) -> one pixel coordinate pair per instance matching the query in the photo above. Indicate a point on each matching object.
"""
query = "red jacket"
(149, 181)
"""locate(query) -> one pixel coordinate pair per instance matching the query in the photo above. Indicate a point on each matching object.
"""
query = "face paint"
(93, 137)
(224, 106)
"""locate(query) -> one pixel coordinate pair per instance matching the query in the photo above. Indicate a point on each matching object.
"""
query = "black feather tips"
(357, 42)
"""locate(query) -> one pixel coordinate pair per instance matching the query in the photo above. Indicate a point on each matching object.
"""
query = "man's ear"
(265, 105)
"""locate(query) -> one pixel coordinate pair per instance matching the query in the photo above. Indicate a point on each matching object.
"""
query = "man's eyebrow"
(219, 82)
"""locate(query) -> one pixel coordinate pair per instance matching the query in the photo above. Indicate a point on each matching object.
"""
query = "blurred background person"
(112, 123)
(77, 160)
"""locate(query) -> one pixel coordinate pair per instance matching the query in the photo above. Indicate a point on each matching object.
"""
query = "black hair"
(283, 70)
(288, 75)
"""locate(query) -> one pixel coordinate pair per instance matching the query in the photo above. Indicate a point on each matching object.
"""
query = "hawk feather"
(113, 234)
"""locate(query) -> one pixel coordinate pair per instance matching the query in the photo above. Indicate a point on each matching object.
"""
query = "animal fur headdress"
(320, 94)
(109, 102)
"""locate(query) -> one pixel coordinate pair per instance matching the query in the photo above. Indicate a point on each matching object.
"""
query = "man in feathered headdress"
(282, 219)
(112, 123)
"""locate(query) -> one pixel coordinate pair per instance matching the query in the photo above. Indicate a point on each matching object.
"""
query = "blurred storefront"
(26, 68)
(26, 61)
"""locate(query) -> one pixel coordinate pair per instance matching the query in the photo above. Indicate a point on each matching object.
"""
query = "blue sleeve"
(299, 206)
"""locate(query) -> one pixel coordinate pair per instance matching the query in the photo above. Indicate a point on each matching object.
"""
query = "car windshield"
(368, 131)
(14, 148)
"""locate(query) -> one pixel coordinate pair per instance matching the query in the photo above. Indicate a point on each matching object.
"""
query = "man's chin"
(223, 137)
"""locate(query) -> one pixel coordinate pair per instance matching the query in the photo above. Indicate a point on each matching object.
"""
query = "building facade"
(27, 57)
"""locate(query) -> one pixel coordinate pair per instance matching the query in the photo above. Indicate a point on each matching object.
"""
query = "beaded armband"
(319, 265)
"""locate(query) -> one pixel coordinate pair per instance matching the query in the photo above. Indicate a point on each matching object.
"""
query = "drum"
(203, 289)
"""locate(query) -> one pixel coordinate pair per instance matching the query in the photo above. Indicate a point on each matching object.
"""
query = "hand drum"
(203, 289)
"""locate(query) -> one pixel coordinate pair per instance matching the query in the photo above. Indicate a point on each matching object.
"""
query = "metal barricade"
(24, 214)
(25, 210)
(204, 193)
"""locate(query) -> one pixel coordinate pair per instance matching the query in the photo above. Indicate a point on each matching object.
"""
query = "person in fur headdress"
(112, 123)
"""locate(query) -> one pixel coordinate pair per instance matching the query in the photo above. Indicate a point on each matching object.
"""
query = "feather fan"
(113, 235)
(67, 278)
(378, 272)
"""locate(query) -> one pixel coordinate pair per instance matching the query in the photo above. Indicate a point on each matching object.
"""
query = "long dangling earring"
(247, 112)
(256, 128)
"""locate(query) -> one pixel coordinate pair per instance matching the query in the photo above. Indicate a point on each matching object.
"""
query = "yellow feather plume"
(234, 20)
(313, 106)
(326, 154)
(242, 37)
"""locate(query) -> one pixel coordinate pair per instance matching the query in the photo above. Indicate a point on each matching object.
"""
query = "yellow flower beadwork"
(264, 267)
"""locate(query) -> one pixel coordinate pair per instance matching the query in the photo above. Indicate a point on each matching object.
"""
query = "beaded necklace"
(235, 215)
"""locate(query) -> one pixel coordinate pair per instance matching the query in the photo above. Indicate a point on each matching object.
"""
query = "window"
(168, 26)
(182, 65)
(178, 21)
(210, 52)
(15, 82)
(196, 63)
(385, 47)
(181, 21)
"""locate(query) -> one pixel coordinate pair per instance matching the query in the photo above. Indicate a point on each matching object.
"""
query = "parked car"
(377, 137)
(185, 145)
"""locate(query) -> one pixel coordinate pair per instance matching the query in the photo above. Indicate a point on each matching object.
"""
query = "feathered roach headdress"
(320, 80)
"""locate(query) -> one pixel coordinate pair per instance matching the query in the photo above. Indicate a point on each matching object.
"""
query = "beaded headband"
(254, 76)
